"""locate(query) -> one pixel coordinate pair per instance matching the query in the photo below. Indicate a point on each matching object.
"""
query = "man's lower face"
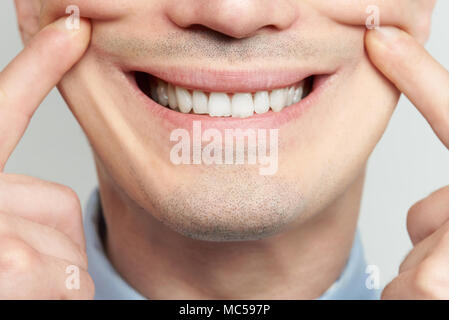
(146, 84)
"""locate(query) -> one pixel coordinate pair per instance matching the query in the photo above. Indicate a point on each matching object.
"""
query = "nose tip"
(235, 18)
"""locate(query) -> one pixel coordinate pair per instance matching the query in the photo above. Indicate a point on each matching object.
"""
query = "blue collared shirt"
(109, 285)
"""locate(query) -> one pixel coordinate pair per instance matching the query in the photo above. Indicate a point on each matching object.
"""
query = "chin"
(232, 204)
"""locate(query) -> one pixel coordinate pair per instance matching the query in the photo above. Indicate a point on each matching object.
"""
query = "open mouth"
(222, 104)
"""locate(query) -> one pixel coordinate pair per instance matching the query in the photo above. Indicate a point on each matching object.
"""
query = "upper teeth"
(220, 104)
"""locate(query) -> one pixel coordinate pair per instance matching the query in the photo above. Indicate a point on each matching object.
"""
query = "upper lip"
(214, 80)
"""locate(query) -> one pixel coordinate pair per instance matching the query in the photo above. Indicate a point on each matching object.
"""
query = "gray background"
(407, 165)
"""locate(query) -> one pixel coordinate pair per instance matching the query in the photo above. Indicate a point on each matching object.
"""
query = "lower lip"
(270, 119)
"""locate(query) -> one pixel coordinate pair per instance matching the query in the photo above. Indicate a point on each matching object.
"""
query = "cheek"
(339, 140)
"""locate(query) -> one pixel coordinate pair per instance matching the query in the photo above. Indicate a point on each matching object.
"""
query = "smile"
(223, 99)
(222, 104)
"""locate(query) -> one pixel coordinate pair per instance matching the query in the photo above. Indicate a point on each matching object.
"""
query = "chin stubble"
(231, 205)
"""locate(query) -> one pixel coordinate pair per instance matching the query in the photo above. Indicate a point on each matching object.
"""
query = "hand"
(424, 274)
(41, 231)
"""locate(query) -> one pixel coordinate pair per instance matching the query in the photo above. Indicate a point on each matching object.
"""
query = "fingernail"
(388, 33)
(60, 24)
(67, 24)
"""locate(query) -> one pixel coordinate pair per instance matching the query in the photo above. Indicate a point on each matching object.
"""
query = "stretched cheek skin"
(411, 15)
(101, 10)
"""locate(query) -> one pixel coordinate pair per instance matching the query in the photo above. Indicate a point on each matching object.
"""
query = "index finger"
(415, 73)
(26, 81)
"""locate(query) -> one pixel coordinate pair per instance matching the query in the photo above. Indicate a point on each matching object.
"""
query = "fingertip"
(372, 41)
(388, 46)
(388, 38)
(377, 39)
(76, 31)
(387, 33)
(83, 34)
(376, 49)
(57, 46)
(63, 41)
